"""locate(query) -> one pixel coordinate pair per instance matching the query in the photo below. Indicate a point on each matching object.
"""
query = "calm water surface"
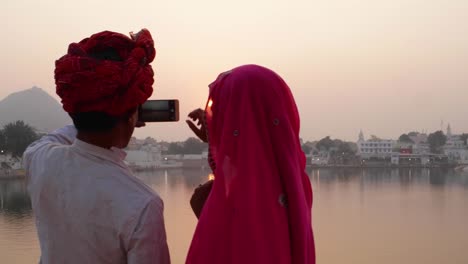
(359, 216)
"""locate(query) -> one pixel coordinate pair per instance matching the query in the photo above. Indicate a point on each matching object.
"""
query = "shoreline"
(12, 177)
(449, 166)
(309, 166)
(21, 174)
(12, 174)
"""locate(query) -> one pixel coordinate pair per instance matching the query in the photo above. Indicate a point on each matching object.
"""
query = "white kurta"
(89, 207)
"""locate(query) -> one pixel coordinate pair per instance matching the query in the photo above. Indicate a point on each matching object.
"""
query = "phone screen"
(159, 111)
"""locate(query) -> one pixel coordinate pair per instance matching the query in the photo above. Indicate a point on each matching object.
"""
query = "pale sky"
(383, 66)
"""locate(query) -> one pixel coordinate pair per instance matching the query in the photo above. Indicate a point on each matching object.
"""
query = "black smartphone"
(159, 111)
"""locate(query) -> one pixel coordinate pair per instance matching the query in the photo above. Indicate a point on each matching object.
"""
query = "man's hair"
(100, 121)
(94, 121)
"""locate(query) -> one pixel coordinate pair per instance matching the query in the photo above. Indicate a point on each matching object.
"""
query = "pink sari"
(259, 209)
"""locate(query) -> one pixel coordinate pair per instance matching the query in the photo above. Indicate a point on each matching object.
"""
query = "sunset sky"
(386, 67)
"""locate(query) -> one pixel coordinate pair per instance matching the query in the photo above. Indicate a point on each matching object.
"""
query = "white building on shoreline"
(146, 154)
(9, 165)
(455, 148)
(374, 147)
(319, 157)
(146, 157)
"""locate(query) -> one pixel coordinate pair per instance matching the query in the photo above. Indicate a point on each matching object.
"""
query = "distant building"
(418, 138)
(9, 165)
(455, 148)
(418, 146)
(135, 143)
(319, 157)
(421, 148)
(146, 157)
(374, 147)
(377, 151)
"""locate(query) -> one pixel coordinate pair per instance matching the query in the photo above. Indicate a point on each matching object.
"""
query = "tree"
(150, 140)
(175, 148)
(190, 146)
(464, 137)
(306, 148)
(436, 141)
(345, 148)
(405, 139)
(194, 146)
(2, 141)
(17, 136)
(325, 143)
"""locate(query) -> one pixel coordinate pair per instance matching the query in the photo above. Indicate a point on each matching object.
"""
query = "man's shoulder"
(131, 189)
(43, 155)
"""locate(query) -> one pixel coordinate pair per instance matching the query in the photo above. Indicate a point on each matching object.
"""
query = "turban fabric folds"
(107, 72)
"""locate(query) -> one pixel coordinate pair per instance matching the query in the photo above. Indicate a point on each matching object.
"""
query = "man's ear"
(133, 118)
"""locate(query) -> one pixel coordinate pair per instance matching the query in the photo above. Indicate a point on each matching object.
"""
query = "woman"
(259, 207)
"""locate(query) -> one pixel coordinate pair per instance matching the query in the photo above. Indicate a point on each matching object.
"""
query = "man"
(89, 207)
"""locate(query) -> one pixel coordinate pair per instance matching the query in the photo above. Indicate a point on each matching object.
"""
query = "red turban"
(88, 83)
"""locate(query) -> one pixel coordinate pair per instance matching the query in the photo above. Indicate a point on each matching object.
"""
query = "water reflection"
(190, 178)
(359, 216)
(14, 200)
(384, 176)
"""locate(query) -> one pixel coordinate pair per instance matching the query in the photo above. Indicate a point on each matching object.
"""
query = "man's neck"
(103, 140)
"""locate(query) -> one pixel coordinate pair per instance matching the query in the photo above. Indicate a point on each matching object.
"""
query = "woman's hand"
(197, 124)
(198, 200)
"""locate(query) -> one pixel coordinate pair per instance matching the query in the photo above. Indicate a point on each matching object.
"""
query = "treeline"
(15, 137)
(435, 140)
(330, 145)
(190, 146)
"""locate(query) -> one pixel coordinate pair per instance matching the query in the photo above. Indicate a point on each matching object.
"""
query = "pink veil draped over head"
(259, 208)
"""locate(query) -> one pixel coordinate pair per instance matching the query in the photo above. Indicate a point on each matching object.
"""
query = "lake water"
(359, 216)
